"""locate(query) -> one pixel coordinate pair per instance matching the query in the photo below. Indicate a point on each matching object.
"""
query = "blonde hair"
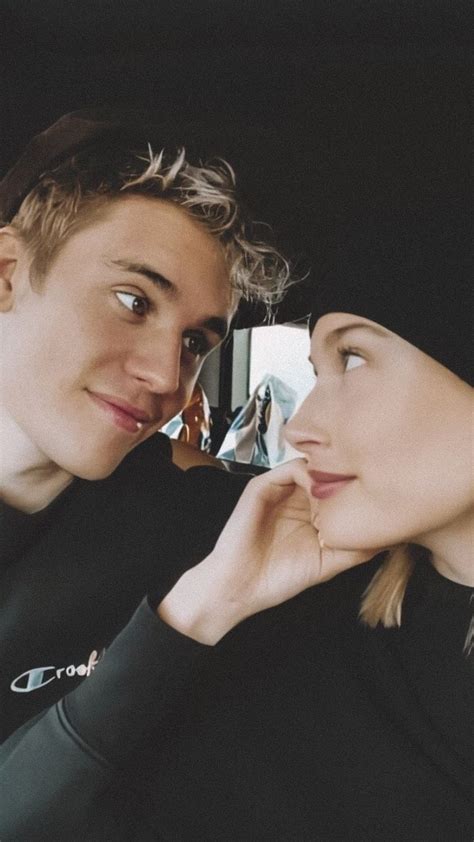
(382, 600)
(65, 199)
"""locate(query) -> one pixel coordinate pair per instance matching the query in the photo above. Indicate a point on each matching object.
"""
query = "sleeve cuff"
(135, 686)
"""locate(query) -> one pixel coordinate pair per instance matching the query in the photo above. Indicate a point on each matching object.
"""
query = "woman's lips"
(326, 485)
(121, 415)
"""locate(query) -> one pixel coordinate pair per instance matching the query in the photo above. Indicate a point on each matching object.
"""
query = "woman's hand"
(267, 553)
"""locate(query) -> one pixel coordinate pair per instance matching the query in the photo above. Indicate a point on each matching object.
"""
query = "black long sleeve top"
(301, 724)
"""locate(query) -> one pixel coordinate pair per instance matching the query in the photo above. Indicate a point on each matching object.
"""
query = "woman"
(361, 723)
(309, 680)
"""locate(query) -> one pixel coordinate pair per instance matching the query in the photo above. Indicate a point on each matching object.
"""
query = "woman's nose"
(305, 428)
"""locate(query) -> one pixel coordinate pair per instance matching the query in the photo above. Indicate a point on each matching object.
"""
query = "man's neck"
(29, 480)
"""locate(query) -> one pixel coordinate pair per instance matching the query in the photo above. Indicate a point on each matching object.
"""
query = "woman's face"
(396, 427)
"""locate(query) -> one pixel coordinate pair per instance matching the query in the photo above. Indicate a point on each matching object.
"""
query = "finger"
(295, 474)
(287, 485)
(316, 518)
(290, 473)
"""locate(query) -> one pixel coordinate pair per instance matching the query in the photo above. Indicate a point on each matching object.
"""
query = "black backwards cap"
(110, 132)
(69, 135)
(410, 271)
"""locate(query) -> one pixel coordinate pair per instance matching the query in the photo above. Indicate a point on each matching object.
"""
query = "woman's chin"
(344, 537)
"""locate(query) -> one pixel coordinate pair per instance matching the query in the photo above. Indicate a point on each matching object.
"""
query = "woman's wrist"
(199, 607)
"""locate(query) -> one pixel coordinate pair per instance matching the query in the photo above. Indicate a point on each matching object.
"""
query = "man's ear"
(9, 255)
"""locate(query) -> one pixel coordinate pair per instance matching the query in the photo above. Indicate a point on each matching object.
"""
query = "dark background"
(323, 107)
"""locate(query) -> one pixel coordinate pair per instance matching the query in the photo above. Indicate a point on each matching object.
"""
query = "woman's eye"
(137, 304)
(352, 361)
(196, 344)
(350, 358)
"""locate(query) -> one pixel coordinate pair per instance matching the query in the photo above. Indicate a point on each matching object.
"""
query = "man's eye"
(137, 304)
(196, 344)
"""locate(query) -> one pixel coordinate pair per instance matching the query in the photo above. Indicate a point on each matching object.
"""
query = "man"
(120, 270)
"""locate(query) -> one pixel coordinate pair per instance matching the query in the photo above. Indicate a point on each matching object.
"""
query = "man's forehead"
(137, 222)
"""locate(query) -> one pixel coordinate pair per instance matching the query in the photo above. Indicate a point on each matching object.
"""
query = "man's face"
(108, 346)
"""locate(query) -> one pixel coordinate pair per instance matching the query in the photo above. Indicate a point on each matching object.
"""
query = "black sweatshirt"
(72, 575)
(301, 724)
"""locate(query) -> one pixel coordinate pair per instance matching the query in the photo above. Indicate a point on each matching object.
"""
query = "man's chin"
(94, 474)
(94, 468)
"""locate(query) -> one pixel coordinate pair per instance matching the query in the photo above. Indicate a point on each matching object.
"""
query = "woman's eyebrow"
(335, 335)
(338, 332)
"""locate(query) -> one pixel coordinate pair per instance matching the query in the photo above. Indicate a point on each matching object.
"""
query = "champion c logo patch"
(38, 677)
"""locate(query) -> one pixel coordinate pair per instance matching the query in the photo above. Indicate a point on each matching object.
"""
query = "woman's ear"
(9, 255)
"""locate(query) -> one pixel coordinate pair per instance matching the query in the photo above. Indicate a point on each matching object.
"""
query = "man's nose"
(156, 362)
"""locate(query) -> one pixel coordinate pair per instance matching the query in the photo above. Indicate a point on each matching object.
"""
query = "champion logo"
(39, 677)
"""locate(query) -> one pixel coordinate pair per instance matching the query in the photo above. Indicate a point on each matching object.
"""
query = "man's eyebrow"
(147, 272)
(217, 325)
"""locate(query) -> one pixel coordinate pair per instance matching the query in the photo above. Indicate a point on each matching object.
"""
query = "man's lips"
(123, 414)
(325, 484)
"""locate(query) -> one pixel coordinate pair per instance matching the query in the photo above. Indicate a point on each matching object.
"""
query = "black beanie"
(410, 271)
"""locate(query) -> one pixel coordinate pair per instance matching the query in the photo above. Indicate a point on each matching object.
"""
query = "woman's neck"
(452, 550)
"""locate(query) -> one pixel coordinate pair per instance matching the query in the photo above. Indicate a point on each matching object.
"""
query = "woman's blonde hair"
(382, 600)
(65, 199)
